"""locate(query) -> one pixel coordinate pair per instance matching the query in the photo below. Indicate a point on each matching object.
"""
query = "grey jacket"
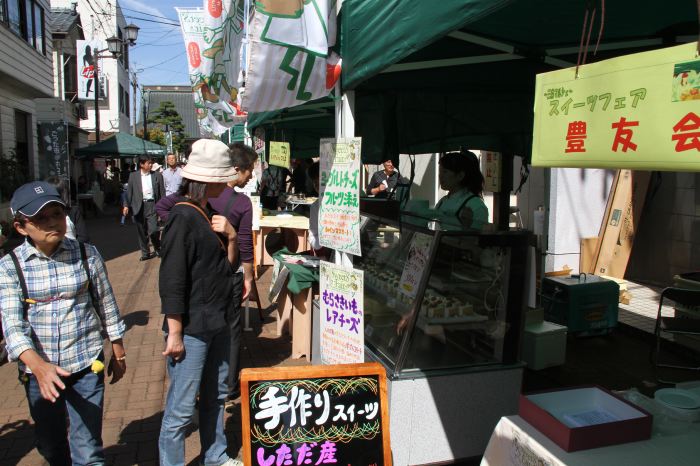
(134, 192)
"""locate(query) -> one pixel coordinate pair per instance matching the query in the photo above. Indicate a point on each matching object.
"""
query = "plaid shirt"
(63, 326)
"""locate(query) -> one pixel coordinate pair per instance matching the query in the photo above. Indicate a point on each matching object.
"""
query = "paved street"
(134, 406)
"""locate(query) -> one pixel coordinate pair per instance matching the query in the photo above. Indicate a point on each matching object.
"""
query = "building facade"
(26, 73)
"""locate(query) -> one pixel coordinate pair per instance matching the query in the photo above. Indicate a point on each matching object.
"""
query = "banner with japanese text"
(53, 150)
(213, 37)
(279, 154)
(290, 61)
(339, 213)
(342, 337)
(640, 111)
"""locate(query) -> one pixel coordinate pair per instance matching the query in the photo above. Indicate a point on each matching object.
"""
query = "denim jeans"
(82, 403)
(202, 370)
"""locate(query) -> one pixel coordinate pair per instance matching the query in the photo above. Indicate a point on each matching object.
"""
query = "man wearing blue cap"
(56, 301)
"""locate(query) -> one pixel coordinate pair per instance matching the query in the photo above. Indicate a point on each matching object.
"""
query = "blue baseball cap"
(30, 198)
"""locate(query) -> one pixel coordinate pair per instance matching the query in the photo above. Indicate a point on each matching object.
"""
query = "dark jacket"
(134, 193)
(196, 278)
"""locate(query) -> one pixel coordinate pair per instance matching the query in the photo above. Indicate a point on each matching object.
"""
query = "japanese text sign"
(416, 264)
(342, 315)
(280, 154)
(315, 415)
(339, 214)
(640, 111)
(53, 149)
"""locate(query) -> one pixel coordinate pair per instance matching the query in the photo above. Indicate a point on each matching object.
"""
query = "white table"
(515, 442)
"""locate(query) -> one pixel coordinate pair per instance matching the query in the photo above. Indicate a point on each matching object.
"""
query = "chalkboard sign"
(315, 415)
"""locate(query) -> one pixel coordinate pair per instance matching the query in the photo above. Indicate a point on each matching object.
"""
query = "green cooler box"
(587, 305)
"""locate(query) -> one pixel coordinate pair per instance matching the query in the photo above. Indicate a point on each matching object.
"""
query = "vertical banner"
(280, 154)
(213, 37)
(85, 50)
(290, 62)
(53, 150)
(491, 168)
(342, 315)
(339, 214)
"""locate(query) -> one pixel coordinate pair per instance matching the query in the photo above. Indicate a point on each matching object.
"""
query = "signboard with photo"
(85, 50)
(342, 339)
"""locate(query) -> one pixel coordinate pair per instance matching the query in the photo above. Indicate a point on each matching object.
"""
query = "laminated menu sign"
(339, 215)
(279, 154)
(416, 264)
(315, 415)
(342, 315)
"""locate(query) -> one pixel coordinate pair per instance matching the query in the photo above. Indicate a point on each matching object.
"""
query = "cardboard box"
(585, 417)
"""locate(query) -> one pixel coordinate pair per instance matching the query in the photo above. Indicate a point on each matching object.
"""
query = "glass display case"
(441, 299)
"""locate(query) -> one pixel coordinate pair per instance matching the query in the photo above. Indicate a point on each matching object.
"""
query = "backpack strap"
(91, 287)
(199, 209)
(22, 284)
(464, 203)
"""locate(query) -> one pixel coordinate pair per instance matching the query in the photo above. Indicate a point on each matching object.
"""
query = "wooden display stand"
(294, 311)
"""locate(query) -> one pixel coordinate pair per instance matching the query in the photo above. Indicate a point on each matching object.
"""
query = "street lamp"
(114, 46)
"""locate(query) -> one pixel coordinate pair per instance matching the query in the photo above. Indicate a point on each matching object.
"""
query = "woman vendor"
(460, 176)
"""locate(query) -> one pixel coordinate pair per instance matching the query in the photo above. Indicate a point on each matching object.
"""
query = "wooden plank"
(621, 222)
(588, 254)
(271, 394)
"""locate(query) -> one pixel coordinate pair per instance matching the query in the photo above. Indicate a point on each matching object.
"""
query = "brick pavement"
(134, 406)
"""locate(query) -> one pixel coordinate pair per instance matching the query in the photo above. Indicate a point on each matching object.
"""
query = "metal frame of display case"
(517, 242)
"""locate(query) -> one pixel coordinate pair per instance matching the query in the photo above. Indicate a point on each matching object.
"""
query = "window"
(26, 19)
(70, 79)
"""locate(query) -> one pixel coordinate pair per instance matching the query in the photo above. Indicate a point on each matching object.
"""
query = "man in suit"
(144, 190)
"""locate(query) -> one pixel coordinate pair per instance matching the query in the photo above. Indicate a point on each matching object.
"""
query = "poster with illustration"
(686, 81)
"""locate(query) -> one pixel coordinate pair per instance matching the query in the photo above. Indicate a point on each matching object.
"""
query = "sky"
(159, 54)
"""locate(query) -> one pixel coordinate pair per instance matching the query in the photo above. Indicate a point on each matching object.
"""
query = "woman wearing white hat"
(196, 289)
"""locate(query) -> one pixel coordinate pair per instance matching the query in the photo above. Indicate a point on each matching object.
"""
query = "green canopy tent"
(121, 145)
(431, 77)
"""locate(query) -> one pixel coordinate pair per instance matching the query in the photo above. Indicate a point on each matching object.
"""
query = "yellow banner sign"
(639, 111)
(279, 154)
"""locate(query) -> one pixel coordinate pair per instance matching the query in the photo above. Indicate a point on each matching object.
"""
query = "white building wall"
(100, 19)
(577, 199)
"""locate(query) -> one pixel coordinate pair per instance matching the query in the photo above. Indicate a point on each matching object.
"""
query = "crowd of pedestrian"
(57, 302)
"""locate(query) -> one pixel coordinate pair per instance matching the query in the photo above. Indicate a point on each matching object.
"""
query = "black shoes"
(150, 255)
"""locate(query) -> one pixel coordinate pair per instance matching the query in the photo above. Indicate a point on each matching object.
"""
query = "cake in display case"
(438, 298)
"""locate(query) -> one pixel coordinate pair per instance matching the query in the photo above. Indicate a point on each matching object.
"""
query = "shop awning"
(122, 145)
(434, 76)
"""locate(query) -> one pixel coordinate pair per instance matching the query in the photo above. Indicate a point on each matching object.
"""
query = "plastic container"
(544, 345)
(689, 281)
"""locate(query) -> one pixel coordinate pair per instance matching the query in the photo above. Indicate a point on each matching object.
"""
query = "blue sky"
(159, 51)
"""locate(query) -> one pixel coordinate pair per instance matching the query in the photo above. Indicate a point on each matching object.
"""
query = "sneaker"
(230, 462)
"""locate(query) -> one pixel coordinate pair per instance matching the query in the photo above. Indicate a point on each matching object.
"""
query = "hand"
(116, 369)
(247, 288)
(125, 211)
(382, 187)
(49, 378)
(220, 224)
(174, 347)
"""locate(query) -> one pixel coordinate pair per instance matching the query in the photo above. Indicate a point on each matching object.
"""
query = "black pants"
(147, 227)
(234, 322)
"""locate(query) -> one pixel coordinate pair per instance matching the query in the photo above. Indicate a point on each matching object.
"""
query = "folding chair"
(676, 325)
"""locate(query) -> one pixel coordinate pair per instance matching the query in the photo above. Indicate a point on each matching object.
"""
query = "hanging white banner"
(85, 50)
(213, 37)
(290, 62)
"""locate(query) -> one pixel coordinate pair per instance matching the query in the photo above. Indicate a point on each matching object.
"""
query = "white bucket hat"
(209, 162)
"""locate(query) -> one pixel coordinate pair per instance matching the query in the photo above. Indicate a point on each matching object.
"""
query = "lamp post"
(114, 47)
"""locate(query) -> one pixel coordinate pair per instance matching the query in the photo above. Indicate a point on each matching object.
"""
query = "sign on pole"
(280, 154)
(342, 315)
(339, 214)
(53, 149)
(315, 415)
(639, 111)
(85, 50)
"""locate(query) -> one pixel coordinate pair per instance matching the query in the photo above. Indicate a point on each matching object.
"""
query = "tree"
(155, 135)
(168, 119)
